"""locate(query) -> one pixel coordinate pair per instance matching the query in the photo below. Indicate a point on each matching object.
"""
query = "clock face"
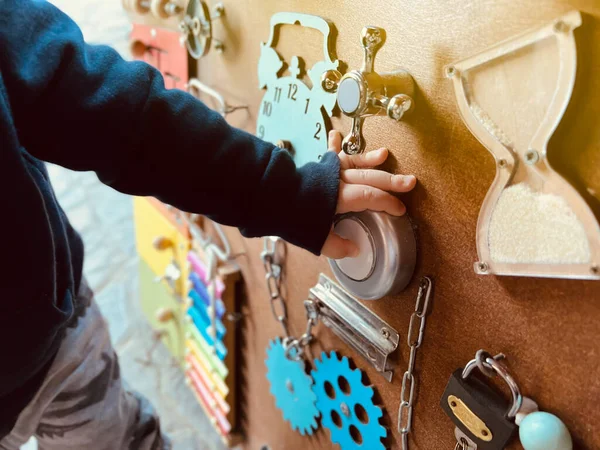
(289, 116)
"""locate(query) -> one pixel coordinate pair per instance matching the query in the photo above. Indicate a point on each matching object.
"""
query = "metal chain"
(270, 258)
(294, 348)
(271, 255)
(414, 340)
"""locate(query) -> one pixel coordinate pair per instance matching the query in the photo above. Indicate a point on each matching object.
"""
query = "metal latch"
(359, 327)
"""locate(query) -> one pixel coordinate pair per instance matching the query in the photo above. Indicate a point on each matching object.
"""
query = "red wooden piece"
(162, 49)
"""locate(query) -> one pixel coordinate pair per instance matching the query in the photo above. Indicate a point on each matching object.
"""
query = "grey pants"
(82, 403)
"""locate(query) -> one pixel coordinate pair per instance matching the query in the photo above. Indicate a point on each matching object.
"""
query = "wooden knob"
(138, 49)
(164, 315)
(162, 243)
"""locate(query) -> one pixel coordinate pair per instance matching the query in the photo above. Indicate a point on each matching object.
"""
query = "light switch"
(387, 254)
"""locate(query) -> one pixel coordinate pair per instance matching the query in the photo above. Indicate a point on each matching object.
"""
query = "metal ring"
(491, 363)
(462, 445)
(290, 344)
(481, 357)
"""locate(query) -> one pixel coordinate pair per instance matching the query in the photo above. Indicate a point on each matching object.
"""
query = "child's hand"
(362, 187)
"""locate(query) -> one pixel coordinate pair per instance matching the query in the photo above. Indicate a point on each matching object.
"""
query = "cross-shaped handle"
(363, 93)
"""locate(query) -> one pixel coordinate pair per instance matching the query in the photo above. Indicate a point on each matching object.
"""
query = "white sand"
(531, 227)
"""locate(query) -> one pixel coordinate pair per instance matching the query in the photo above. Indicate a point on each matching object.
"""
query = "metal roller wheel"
(198, 23)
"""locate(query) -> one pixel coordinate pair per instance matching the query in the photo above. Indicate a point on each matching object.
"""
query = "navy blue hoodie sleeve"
(85, 108)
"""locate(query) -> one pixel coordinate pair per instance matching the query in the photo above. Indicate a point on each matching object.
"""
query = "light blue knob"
(544, 431)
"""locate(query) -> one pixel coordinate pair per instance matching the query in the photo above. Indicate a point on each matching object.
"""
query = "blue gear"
(292, 388)
(338, 409)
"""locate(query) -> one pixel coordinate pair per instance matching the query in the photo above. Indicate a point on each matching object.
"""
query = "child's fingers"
(336, 247)
(334, 141)
(364, 160)
(358, 197)
(379, 179)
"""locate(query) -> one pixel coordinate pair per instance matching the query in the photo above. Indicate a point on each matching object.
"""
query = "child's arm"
(85, 108)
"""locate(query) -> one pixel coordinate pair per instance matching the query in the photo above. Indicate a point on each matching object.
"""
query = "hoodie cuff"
(298, 205)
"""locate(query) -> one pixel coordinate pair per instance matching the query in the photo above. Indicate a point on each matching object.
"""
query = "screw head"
(502, 163)
(561, 27)
(481, 266)
(532, 156)
(219, 47)
(385, 333)
(330, 80)
(450, 71)
(345, 409)
(595, 269)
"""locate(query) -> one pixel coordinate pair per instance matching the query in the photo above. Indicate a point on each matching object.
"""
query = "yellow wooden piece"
(160, 244)
(222, 388)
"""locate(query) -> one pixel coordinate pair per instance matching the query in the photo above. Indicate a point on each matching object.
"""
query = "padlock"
(478, 410)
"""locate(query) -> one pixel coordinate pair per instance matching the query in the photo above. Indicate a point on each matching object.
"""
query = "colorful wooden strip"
(200, 268)
(217, 413)
(216, 382)
(202, 293)
(208, 351)
(201, 303)
(203, 328)
(221, 426)
(194, 348)
(203, 314)
(208, 383)
(220, 385)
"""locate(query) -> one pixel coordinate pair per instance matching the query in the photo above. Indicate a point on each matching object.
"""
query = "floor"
(104, 218)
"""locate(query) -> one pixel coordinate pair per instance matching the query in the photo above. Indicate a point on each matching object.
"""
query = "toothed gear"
(292, 388)
(340, 395)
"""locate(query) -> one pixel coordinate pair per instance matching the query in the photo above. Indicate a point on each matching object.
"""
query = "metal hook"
(224, 108)
(223, 254)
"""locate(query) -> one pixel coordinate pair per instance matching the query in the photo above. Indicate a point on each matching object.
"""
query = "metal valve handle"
(372, 39)
(363, 93)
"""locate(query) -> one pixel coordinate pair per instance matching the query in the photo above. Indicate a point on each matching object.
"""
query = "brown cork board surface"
(547, 327)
